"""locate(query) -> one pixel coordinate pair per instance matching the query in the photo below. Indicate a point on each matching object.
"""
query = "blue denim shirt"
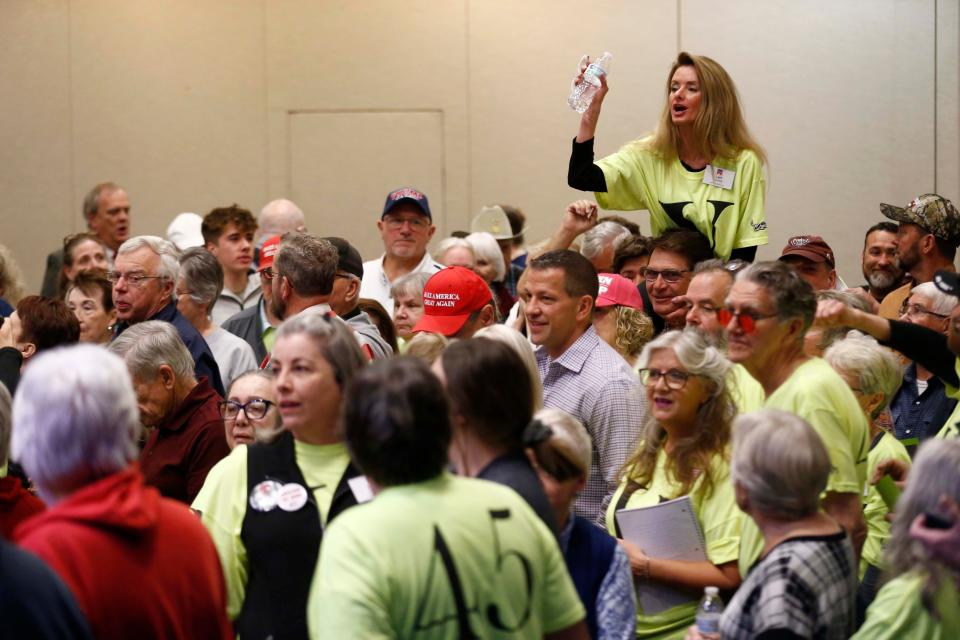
(920, 416)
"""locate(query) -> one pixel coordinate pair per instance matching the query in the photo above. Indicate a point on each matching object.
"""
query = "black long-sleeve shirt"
(927, 347)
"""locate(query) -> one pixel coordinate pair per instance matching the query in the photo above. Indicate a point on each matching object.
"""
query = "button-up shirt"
(376, 285)
(919, 415)
(593, 383)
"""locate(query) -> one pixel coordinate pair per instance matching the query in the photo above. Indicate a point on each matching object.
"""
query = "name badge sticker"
(361, 489)
(719, 177)
(265, 495)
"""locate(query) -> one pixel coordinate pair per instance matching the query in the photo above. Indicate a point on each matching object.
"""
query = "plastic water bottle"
(709, 612)
(582, 94)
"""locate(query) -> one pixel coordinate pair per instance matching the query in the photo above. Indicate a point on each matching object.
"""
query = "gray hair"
(146, 346)
(168, 252)
(308, 262)
(935, 473)
(830, 335)
(5, 424)
(601, 236)
(75, 419)
(781, 462)
(792, 297)
(91, 201)
(694, 352)
(266, 374)
(875, 368)
(449, 243)
(485, 246)
(203, 275)
(519, 343)
(940, 302)
(411, 284)
(569, 437)
(333, 337)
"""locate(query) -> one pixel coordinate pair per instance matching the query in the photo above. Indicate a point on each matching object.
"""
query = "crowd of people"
(243, 429)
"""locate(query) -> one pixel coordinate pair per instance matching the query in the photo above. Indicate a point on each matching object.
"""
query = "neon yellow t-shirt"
(818, 394)
(718, 516)
(731, 218)
(874, 508)
(897, 613)
(222, 503)
(425, 560)
(950, 428)
(747, 393)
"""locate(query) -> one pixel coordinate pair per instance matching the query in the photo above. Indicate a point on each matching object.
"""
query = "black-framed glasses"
(254, 409)
(669, 275)
(268, 274)
(133, 279)
(674, 378)
(913, 309)
(746, 319)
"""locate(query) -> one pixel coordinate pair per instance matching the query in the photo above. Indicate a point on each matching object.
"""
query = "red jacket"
(140, 566)
(16, 505)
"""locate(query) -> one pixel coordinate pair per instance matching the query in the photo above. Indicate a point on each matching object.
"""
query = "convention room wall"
(191, 105)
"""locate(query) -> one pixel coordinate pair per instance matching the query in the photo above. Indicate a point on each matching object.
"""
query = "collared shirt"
(593, 383)
(181, 451)
(376, 285)
(920, 415)
(229, 303)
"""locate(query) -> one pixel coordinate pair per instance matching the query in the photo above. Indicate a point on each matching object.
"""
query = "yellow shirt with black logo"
(874, 508)
(223, 503)
(729, 218)
(719, 519)
(444, 558)
(817, 393)
(898, 612)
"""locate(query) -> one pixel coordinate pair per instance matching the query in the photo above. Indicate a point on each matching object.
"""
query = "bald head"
(278, 217)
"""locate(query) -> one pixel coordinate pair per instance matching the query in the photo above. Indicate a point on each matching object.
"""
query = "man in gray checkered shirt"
(581, 374)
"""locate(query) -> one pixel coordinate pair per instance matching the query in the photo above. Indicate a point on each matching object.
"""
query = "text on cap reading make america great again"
(440, 299)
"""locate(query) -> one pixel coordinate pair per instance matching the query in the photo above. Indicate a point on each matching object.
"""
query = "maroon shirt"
(16, 505)
(181, 451)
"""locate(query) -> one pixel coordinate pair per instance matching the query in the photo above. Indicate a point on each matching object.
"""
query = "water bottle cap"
(711, 591)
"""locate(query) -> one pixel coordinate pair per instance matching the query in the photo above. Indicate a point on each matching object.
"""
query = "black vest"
(282, 546)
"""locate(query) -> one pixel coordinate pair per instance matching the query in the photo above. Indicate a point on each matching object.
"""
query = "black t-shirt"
(514, 470)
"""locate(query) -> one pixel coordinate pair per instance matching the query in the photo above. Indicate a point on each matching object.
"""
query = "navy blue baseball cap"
(407, 194)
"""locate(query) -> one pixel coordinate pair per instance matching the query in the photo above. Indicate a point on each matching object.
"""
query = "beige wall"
(192, 105)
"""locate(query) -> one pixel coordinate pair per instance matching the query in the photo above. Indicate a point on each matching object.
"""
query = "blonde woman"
(699, 168)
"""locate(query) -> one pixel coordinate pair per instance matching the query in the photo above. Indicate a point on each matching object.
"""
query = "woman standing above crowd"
(683, 451)
(700, 168)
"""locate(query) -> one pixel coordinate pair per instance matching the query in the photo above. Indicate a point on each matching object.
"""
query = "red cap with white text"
(449, 297)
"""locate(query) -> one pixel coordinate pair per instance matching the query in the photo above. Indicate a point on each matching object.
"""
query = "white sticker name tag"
(719, 177)
(361, 489)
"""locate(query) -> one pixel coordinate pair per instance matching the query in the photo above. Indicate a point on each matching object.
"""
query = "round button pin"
(292, 497)
(265, 495)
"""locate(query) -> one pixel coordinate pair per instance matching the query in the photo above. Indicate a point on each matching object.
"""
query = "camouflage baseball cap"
(934, 213)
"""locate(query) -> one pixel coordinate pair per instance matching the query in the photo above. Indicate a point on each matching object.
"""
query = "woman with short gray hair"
(805, 582)
(920, 599)
(198, 289)
(407, 292)
(267, 504)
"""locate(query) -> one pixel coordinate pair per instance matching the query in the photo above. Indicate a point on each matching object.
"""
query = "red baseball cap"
(449, 297)
(615, 289)
(268, 250)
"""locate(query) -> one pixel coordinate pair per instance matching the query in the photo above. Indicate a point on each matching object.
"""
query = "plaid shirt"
(805, 585)
(593, 383)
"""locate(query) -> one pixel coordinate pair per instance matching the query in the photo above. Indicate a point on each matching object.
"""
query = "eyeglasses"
(916, 309)
(418, 223)
(133, 279)
(268, 274)
(669, 275)
(254, 409)
(674, 378)
(746, 320)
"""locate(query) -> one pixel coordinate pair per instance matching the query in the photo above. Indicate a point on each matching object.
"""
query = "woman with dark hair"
(684, 450)
(90, 298)
(433, 555)
(267, 506)
(700, 168)
(491, 405)
(81, 252)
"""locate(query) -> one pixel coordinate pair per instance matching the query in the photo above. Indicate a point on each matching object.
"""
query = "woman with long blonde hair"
(699, 169)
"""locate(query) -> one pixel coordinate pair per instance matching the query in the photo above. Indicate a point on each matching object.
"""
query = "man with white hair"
(139, 565)
(144, 277)
(187, 436)
(600, 243)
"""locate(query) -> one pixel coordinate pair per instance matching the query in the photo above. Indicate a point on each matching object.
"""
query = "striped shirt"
(593, 383)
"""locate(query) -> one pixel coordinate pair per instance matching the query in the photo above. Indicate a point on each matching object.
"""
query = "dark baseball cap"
(407, 194)
(812, 248)
(348, 258)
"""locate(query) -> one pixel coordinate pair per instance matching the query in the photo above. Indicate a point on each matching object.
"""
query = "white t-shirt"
(376, 285)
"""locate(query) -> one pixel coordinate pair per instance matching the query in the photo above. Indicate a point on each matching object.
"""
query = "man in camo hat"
(927, 239)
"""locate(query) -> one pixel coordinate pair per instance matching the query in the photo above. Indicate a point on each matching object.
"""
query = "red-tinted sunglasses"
(746, 320)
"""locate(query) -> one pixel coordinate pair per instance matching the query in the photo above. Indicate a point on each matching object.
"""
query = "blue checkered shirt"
(593, 383)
